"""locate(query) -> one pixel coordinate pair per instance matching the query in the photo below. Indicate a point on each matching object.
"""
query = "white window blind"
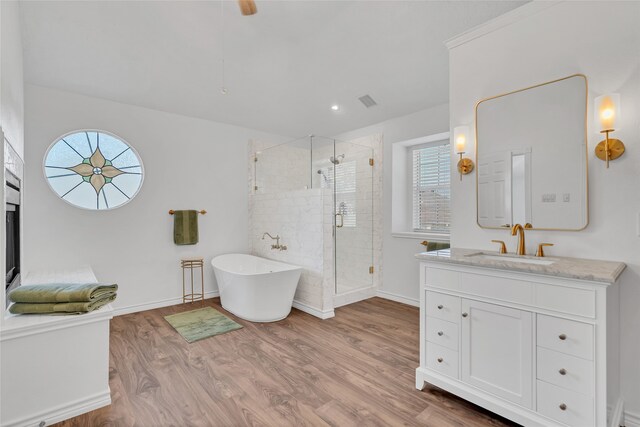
(432, 187)
(345, 176)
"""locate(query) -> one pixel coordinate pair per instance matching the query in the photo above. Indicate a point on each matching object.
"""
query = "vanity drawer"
(500, 288)
(581, 302)
(578, 409)
(565, 336)
(442, 306)
(442, 333)
(566, 371)
(442, 359)
(441, 278)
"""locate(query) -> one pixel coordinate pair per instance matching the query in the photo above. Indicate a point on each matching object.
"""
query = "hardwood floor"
(356, 369)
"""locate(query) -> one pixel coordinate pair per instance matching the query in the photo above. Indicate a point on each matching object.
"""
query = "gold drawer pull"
(563, 371)
(465, 314)
(440, 333)
(440, 359)
(440, 307)
(562, 337)
(563, 407)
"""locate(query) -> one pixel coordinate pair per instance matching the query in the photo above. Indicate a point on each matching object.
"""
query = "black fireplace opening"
(12, 195)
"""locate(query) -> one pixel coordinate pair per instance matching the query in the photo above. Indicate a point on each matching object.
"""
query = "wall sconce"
(460, 139)
(607, 116)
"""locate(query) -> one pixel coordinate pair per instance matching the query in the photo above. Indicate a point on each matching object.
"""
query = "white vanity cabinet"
(496, 350)
(536, 348)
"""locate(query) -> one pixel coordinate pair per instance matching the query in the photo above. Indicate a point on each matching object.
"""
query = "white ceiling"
(285, 66)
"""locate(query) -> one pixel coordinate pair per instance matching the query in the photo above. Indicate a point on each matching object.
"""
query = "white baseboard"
(326, 314)
(631, 419)
(398, 298)
(615, 414)
(63, 412)
(157, 304)
(354, 296)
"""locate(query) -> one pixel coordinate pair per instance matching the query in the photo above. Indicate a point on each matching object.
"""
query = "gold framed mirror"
(532, 157)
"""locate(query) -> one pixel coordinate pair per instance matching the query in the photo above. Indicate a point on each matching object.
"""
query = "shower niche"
(319, 194)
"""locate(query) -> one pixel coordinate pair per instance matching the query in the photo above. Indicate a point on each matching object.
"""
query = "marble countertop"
(571, 268)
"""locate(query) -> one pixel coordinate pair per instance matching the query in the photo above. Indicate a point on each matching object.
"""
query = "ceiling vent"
(368, 101)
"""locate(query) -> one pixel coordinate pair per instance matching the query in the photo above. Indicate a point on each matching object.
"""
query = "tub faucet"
(277, 239)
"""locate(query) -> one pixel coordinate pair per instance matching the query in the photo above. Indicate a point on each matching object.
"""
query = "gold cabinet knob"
(425, 243)
(541, 246)
(563, 371)
(503, 247)
(562, 337)
(440, 359)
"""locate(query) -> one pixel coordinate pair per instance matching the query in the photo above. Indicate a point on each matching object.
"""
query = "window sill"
(433, 237)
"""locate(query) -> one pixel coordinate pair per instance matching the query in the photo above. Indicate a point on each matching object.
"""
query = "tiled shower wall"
(300, 219)
(281, 168)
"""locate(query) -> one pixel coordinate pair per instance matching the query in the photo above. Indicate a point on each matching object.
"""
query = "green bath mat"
(203, 323)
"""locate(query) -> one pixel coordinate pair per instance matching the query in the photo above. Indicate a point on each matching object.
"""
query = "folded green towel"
(61, 293)
(185, 227)
(61, 307)
(436, 246)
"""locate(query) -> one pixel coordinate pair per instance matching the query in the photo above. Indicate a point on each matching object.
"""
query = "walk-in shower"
(342, 175)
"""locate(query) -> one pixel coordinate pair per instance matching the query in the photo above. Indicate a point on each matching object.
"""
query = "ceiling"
(284, 67)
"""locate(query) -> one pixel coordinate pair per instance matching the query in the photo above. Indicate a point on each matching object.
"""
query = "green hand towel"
(61, 293)
(61, 307)
(185, 227)
(436, 246)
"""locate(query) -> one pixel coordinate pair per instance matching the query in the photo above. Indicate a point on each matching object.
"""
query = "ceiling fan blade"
(248, 7)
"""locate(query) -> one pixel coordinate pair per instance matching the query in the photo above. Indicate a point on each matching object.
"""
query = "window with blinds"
(432, 187)
(345, 176)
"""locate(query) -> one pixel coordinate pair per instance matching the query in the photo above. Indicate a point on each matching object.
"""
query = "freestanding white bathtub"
(254, 288)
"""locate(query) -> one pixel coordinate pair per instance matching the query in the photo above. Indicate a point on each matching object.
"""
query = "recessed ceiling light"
(335, 107)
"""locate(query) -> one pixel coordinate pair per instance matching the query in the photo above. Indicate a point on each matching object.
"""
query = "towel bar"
(171, 212)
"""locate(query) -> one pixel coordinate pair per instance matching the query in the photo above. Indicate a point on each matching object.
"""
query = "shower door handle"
(341, 220)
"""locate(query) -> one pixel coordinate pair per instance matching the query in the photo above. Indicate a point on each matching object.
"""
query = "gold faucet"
(519, 229)
(277, 239)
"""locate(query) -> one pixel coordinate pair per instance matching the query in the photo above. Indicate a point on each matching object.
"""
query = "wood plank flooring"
(356, 369)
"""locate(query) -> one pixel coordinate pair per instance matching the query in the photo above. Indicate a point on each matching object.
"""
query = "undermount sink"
(511, 258)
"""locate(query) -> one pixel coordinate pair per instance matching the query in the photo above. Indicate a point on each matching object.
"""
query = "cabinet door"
(497, 350)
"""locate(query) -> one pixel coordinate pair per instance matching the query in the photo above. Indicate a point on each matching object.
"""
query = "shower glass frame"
(346, 170)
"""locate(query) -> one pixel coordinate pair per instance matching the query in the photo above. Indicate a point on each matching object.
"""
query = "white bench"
(54, 367)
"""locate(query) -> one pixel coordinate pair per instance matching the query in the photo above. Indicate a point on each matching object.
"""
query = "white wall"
(602, 41)
(11, 76)
(189, 164)
(400, 275)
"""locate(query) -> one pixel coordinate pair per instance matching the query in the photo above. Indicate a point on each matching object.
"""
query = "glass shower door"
(352, 167)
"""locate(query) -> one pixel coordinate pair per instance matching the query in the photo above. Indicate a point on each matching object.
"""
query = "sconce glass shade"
(607, 112)
(460, 138)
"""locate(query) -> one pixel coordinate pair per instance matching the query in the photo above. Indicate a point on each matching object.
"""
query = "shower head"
(337, 159)
(321, 172)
